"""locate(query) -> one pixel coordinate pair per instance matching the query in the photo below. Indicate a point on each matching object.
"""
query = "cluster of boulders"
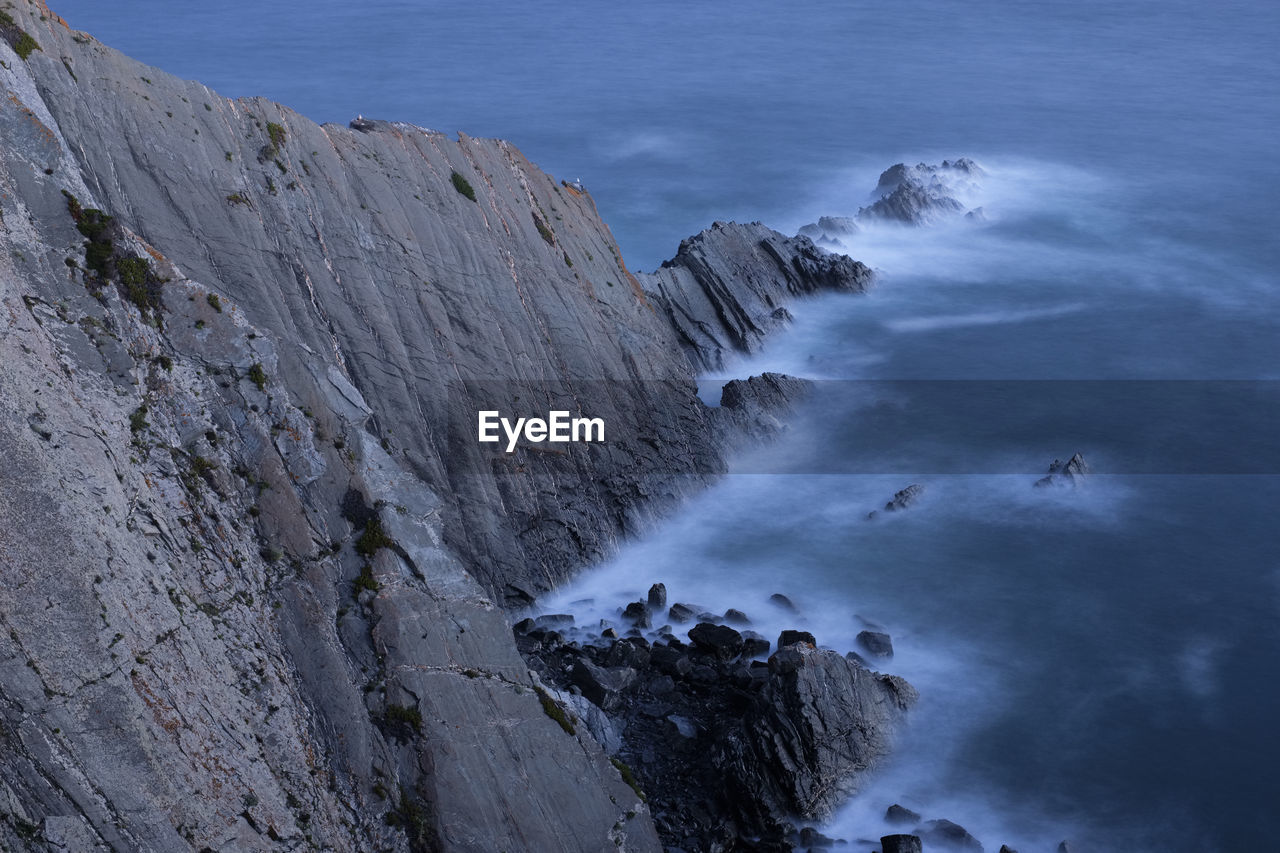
(730, 735)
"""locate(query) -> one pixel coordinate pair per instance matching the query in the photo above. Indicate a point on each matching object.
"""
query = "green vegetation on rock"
(544, 230)
(18, 38)
(463, 186)
(552, 709)
(373, 539)
(258, 376)
(629, 778)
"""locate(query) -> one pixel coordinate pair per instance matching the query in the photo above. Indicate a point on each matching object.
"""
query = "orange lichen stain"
(154, 253)
(31, 116)
(573, 191)
(636, 288)
(49, 13)
(164, 714)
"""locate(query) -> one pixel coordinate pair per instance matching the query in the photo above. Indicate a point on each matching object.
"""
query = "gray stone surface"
(727, 287)
(203, 644)
(924, 193)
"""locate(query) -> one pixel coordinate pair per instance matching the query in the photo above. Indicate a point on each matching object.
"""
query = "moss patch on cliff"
(552, 709)
(463, 186)
(373, 539)
(258, 376)
(544, 230)
(629, 778)
(402, 721)
(414, 817)
(18, 38)
(136, 280)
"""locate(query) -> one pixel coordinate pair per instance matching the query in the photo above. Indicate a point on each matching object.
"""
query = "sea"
(1098, 664)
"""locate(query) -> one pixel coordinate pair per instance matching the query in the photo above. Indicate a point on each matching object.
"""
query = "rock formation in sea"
(255, 562)
(922, 194)
(1069, 473)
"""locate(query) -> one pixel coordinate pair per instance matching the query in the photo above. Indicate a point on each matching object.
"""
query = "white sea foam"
(979, 318)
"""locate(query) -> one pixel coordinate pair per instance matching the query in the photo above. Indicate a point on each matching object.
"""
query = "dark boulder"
(736, 617)
(670, 660)
(754, 644)
(812, 838)
(681, 613)
(629, 651)
(780, 600)
(753, 405)
(524, 626)
(901, 816)
(944, 833)
(876, 643)
(657, 596)
(720, 641)
(900, 844)
(637, 613)
(602, 687)
(790, 637)
(554, 620)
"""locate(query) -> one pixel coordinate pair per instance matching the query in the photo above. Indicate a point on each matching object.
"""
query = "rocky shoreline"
(731, 736)
(255, 574)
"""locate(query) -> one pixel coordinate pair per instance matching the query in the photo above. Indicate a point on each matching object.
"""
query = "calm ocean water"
(1097, 664)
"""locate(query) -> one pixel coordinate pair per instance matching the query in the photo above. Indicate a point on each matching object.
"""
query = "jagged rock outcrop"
(252, 553)
(1069, 473)
(921, 194)
(756, 408)
(901, 500)
(729, 749)
(727, 287)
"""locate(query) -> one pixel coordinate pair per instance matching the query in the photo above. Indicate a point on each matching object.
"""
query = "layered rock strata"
(253, 558)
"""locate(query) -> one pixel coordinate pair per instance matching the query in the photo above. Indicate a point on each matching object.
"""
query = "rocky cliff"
(253, 558)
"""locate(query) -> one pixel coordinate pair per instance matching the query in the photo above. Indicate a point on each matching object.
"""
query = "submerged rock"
(953, 836)
(780, 600)
(637, 612)
(876, 643)
(901, 816)
(905, 498)
(681, 613)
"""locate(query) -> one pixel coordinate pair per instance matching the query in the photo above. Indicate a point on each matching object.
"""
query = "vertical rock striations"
(250, 547)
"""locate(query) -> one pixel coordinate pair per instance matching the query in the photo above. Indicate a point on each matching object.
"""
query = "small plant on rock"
(463, 186)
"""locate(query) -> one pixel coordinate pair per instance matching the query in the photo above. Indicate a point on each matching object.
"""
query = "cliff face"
(250, 547)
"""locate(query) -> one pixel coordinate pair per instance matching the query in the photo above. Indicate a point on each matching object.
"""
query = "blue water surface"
(1096, 664)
